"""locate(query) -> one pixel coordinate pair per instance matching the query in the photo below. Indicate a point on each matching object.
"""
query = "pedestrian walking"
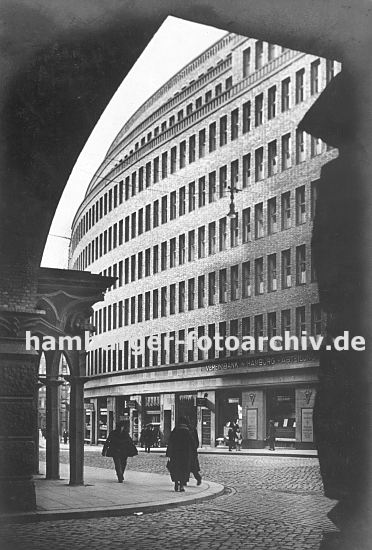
(238, 439)
(147, 437)
(195, 466)
(181, 453)
(231, 435)
(119, 445)
(271, 435)
(65, 437)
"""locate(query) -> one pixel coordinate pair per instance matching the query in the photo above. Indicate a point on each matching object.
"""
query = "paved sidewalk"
(102, 495)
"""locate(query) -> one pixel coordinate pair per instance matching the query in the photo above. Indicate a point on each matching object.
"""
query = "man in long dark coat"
(119, 445)
(181, 453)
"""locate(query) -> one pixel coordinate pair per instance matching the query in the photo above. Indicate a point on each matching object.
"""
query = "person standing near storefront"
(271, 435)
(181, 453)
(231, 435)
(119, 445)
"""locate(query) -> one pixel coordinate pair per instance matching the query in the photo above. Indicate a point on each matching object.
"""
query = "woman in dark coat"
(195, 466)
(119, 445)
(181, 453)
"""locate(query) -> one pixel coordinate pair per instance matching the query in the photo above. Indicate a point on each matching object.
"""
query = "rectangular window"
(300, 321)
(132, 310)
(191, 350)
(212, 137)
(126, 271)
(234, 282)
(211, 289)
(155, 214)
(330, 70)
(191, 294)
(300, 205)
(271, 273)
(172, 299)
(246, 62)
(182, 201)
(163, 301)
(208, 96)
(286, 269)
(202, 193)
(223, 181)
(189, 109)
(211, 336)
(140, 308)
(315, 146)
(246, 330)
(258, 54)
(172, 252)
(228, 83)
(201, 242)
(246, 225)
(286, 152)
(155, 259)
(223, 233)
(246, 170)
(212, 238)
(234, 124)
(300, 76)
(259, 170)
(286, 83)
(147, 262)
(272, 225)
(148, 217)
(201, 291)
(234, 226)
(271, 324)
(258, 326)
(140, 265)
(140, 221)
(271, 52)
(155, 303)
(223, 286)
(172, 348)
(181, 346)
(126, 311)
(173, 160)
(246, 117)
(314, 197)
(182, 154)
(133, 268)
(234, 332)
(259, 276)
(191, 246)
(316, 320)
(218, 90)
(134, 177)
(246, 280)
(271, 102)
(314, 77)
(272, 154)
(156, 169)
(223, 130)
(164, 209)
(300, 146)
(222, 332)
(198, 103)
(201, 143)
(234, 173)
(164, 165)
(147, 306)
(191, 196)
(212, 191)
(286, 321)
(286, 210)
(181, 296)
(173, 205)
(164, 256)
(258, 220)
(148, 174)
(192, 144)
(133, 224)
(181, 249)
(301, 264)
(258, 115)
(163, 348)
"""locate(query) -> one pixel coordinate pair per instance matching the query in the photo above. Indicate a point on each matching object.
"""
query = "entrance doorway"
(186, 407)
(281, 408)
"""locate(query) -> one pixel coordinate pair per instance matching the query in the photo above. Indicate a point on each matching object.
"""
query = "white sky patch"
(174, 45)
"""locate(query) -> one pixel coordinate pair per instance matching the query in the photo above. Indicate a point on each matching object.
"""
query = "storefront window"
(282, 410)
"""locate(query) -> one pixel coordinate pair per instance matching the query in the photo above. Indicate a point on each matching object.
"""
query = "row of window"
(196, 243)
(232, 284)
(197, 145)
(168, 353)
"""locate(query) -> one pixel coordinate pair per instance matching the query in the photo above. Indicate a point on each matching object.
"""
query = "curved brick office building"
(156, 217)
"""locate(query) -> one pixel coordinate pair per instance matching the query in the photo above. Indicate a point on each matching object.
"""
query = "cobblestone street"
(270, 503)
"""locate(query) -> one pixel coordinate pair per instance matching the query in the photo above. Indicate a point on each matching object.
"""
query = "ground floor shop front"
(211, 403)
